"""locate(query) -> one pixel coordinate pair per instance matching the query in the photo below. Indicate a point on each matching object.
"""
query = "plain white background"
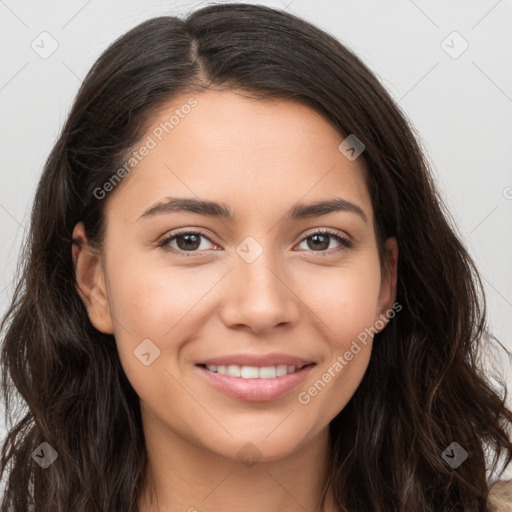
(458, 99)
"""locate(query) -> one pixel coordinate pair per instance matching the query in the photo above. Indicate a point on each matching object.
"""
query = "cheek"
(151, 300)
(334, 385)
(158, 303)
(345, 302)
(344, 299)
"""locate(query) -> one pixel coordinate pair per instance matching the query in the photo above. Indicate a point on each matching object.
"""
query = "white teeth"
(249, 372)
(253, 372)
(268, 372)
(233, 370)
(281, 369)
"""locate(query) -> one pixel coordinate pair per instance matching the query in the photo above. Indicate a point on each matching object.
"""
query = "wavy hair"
(425, 386)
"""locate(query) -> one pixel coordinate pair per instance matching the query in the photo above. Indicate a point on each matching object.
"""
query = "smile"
(253, 383)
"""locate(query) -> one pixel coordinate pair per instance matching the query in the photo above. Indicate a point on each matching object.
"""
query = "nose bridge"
(258, 293)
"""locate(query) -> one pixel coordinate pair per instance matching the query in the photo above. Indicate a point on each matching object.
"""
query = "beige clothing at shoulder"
(500, 496)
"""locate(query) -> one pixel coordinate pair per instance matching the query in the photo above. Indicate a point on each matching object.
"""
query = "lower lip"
(256, 390)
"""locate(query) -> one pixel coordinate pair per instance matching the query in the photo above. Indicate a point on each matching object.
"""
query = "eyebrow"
(221, 210)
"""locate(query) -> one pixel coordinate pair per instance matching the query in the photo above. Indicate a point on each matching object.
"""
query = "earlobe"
(90, 281)
(389, 279)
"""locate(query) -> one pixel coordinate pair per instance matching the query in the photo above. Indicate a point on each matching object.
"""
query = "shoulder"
(500, 496)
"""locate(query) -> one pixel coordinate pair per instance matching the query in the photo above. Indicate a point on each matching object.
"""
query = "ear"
(387, 294)
(90, 280)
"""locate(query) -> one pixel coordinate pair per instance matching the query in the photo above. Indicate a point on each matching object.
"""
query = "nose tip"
(258, 298)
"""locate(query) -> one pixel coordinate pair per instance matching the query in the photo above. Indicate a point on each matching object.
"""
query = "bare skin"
(260, 158)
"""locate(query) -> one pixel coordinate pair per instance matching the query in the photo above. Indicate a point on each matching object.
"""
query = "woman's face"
(254, 289)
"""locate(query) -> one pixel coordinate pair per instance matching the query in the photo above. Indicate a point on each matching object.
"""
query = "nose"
(259, 296)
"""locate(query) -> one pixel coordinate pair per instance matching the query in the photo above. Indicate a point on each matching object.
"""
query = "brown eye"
(319, 241)
(186, 242)
(190, 241)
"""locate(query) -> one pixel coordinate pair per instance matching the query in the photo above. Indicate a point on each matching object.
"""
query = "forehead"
(250, 153)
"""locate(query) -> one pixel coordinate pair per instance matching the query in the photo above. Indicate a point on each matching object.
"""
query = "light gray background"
(461, 107)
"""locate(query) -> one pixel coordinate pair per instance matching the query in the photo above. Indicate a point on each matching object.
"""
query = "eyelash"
(345, 243)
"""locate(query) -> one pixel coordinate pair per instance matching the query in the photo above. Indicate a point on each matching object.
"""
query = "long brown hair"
(424, 388)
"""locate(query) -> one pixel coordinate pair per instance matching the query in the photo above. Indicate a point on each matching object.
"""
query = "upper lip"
(256, 360)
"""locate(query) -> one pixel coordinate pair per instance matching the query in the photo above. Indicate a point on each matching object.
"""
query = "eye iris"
(191, 238)
(317, 238)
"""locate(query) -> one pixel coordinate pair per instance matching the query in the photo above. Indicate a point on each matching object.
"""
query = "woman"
(241, 290)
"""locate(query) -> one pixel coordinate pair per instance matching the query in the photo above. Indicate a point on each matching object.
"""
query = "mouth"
(255, 383)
